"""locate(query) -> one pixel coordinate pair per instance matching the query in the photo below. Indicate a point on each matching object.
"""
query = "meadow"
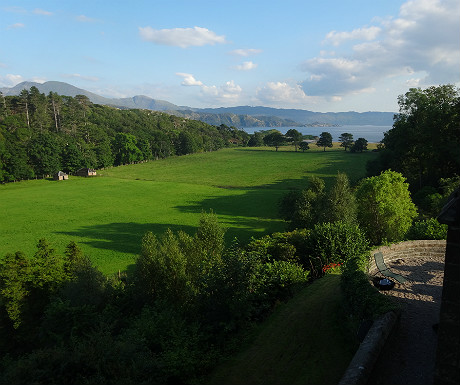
(107, 215)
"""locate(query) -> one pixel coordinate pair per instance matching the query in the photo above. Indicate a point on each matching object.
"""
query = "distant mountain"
(144, 102)
(242, 116)
(60, 88)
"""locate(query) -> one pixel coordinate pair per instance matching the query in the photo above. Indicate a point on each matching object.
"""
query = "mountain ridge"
(239, 116)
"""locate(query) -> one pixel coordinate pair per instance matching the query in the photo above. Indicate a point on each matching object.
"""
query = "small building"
(86, 172)
(61, 175)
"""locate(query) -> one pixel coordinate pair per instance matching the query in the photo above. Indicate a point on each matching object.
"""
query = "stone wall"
(408, 249)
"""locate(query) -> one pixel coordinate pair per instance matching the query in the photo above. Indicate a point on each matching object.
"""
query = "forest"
(43, 134)
(189, 297)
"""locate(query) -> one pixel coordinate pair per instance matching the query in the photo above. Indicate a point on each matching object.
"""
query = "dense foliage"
(386, 210)
(40, 135)
(424, 142)
(169, 320)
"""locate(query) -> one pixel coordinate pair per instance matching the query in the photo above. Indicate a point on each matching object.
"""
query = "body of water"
(373, 134)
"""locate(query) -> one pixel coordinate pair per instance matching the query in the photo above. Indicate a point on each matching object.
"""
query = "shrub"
(275, 281)
(427, 229)
(334, 243)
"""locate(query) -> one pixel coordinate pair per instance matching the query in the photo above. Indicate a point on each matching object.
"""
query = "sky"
(325, 56)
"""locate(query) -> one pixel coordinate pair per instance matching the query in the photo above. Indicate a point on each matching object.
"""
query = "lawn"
(304, 342)
(108, 215)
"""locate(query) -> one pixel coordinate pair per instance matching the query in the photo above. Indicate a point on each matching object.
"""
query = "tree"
(72, 158)
(359, 146)
(274, 139)
(346, 140)
(125, 149)
(295, 136)
(44, 151)
(325, 140)
(187, 143)
(304, 146)
(424, 141)
(161, 269)
(256, 140)
(309, 205)
(386, 210)
(340, 204)
(24, 95)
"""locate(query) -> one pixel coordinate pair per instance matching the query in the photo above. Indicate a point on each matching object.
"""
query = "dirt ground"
(409, 354)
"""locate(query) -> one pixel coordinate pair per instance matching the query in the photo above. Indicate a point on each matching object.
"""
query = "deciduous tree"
(386, 210)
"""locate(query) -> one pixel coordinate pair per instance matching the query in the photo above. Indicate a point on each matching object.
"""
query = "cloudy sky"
(328, 55)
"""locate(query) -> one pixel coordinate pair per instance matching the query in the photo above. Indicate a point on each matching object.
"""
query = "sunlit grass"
(108, 215)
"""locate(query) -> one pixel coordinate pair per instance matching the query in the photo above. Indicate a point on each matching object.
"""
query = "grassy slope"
(304, 342)
(108, 215)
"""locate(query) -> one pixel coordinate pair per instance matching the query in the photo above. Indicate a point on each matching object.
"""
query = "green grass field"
(108, 215)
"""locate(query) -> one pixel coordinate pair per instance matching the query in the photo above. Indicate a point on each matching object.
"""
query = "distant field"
(108, 215)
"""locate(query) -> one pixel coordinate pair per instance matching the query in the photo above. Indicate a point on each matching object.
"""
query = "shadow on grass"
(121, 237)
(253, 212)
(256, 210)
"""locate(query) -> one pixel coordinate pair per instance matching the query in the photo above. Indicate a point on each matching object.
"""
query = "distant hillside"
(310, 117)
(241, 116)
(236, 120)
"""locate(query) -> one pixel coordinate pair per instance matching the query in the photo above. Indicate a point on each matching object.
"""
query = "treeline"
(42, 134)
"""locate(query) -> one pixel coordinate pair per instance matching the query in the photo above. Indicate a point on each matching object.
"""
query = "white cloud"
(227, 93)
(282, 93)
(181, 37)
(189, 79)
(16, 26)
(39, 11)
(10, 80)
(85, 19)
(424, 38)
(246, 52)
(366, 33)
(246, 66)
(82, 77)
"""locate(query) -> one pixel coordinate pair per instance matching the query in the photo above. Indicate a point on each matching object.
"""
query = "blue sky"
(328, 55)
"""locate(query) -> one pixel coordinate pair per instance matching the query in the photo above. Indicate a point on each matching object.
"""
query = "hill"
(240, 116)
(309, 117)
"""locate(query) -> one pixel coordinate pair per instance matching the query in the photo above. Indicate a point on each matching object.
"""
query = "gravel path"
(409, 354)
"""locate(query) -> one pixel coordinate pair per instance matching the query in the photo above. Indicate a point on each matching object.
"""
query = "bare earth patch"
(409, 354)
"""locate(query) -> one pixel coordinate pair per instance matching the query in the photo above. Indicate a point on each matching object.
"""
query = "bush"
(334, 243)
(427, 229)
(275, 281)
